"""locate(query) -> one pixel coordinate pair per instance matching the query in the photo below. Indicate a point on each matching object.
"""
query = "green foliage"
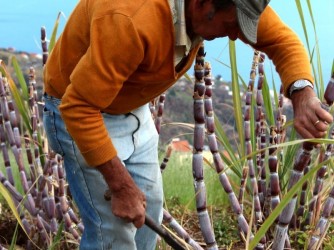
(226, 231)
(58, 237)
(13, 243)
(178, 183)
(54, 33)
(236, 98)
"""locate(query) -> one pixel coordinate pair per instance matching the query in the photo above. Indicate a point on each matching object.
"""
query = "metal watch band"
(298, 85)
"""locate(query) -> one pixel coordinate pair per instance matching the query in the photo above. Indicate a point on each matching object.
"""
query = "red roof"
(181, 146)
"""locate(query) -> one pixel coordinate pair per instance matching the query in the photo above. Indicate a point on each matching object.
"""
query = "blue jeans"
(136, 140)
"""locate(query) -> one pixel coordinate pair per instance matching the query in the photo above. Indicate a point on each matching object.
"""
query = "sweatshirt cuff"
(100, 155)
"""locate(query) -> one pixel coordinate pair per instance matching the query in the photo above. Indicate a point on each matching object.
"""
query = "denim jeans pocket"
(51, 131)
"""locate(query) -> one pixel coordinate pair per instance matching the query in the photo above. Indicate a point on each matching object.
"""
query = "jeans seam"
(88, 191)
(133, 133)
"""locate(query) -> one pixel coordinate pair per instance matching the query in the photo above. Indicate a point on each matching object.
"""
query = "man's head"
(248, 13)
(218, 18)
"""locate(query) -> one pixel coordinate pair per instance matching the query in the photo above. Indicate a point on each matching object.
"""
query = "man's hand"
(310, 119)
(127, 200)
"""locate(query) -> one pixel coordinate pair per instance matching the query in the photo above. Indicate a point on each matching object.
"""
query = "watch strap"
(298, 85)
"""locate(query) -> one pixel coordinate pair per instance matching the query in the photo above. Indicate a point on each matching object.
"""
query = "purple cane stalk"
(199, 134)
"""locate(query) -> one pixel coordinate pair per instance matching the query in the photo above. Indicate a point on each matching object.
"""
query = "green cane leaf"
(20, 77)
(236, 97)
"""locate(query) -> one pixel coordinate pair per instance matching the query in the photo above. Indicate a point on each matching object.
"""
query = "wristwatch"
(298, 85)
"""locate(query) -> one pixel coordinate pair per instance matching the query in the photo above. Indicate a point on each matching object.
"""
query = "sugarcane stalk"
(219, 165)
(199, 134)
(329, 92)
(302, 200)
(5, 117)
(163, 233)
(61, 209)
(248, 143)
(165, 160)
(260, 131)
(249, 95)
(32, 171)
(311, 214)
(273, 167)
(323, 222)
(66, 211)
(48, 201)
(242, 189)
(252, 174)
(40, 223)
(44, 45)
(158, 119)
(16, 148)
(280, 120)
(262, 179)
(167, 218)
(281, 228)
(152, 107)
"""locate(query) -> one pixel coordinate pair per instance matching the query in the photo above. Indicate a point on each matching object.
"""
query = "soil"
(8, 226)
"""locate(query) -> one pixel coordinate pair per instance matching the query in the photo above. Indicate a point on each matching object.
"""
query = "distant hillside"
(25, 60)
(179, 109)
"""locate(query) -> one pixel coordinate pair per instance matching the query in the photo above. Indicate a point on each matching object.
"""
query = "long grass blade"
(20, 77)
(54, 33)
(302, 19)
(14, 238)
(320, 82)
(236, 97)
(58, 237)
(234, 163)
(267, 102)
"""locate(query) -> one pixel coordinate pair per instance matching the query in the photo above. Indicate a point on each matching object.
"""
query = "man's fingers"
(309, 130)
(325, 117)
(320, 125)
(321, 111)
(139, 222)
(305, 133)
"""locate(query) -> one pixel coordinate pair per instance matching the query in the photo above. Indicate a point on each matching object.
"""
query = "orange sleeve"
(284, 48)
(114, 53)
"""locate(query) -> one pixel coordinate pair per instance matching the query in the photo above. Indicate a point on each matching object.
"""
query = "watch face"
(299, 84)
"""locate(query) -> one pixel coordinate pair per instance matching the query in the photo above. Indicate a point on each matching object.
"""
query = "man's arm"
(291, 60)
(284, 48)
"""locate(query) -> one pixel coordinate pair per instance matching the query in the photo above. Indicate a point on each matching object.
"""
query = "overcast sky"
(21, 20)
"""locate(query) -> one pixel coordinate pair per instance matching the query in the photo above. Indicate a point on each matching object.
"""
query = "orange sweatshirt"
(115, 56)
